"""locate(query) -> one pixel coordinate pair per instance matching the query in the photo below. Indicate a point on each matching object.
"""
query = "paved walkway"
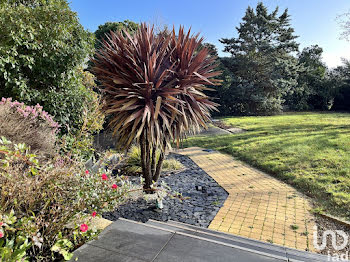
(258, 206)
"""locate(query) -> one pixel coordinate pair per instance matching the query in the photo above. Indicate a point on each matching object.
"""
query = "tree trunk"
(160, 163)
(153, 160)
(145, 162)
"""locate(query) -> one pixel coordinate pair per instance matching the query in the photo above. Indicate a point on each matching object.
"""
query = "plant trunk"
(145, 162)
(154, 160)
(156, 174)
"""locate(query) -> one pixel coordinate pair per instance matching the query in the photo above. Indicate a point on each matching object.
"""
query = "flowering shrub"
(47, 209)
(29, 124)
(33, 112)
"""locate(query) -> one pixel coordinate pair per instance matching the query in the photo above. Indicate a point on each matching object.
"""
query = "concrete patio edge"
(126, 240)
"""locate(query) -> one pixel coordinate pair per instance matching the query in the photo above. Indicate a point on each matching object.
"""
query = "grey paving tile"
(89, 253)
(130, 238)
(186, 249)
(225, 238)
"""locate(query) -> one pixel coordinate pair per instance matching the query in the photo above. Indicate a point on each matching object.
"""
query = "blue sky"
(314, 20)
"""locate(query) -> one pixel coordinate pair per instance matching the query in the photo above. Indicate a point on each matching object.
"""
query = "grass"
(294, 227)
(308, 150)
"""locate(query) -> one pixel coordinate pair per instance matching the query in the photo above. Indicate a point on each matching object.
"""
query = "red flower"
(87, 172)
(94, 214)
(114, 186)
(1, 234)
(84, 227)
(104, 177)
(1, 223)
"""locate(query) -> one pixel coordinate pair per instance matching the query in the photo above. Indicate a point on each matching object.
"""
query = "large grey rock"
(99, 166)
(90, 163)
(114, 159)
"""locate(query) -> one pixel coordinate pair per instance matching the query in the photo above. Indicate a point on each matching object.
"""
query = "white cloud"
(333, 59)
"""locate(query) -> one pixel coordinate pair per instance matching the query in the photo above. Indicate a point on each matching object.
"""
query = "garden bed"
(323, 224)
(203, 198)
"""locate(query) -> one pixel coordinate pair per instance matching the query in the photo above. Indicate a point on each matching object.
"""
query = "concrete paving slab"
(187, 249)
(90, 253)
(128, 241)
(132, 238)
(226, 239)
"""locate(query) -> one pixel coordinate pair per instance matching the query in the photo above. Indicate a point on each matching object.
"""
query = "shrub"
(152, 88)
(79, 142)
(28, 124)
(39, 200)
(41, 46)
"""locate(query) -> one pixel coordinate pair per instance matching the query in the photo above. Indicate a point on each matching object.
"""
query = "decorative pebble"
(205, 198)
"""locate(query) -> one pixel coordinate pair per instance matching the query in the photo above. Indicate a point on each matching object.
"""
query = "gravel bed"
(205, 197)
(324, 224)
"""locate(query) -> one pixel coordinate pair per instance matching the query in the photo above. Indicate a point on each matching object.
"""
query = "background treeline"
(267, 73)
(44, 54)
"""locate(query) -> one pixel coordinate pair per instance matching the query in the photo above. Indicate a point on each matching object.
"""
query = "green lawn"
(308, 150)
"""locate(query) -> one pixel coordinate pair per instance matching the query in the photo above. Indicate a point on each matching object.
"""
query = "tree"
(344, 21)
(312, 89)
(42, 45)
(104, 30)
(341, 81)
(212, 49)
(152, 86)
(261, 60)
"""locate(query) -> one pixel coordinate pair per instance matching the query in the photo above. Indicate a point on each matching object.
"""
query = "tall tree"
(261, 60)
(104, 30)
(312, 90)
(341, 81)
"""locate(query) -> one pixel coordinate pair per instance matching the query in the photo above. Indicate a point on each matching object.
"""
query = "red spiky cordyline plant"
(152, 86)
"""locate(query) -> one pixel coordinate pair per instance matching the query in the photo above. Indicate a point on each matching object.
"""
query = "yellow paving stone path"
(258, 206)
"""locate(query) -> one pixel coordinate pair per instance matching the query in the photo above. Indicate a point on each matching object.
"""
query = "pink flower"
(1, 223)
(104, 177)
(87, 172)
(84, 227)
(114, 186)
(1, 234)
(94, 214)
